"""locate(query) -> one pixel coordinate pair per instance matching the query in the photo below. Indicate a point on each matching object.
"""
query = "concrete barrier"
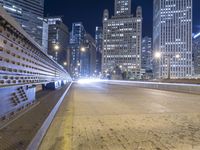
(176, 87)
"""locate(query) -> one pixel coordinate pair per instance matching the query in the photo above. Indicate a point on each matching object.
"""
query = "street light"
(83, 49)
(158, 55)
(56, 47)
(65, 63)
(178, 56)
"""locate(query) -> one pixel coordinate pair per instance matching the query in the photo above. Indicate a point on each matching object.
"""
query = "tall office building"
(77, 36)
(196, 53)
(28, 13)
(88, 56)
(99, 48)
(122, 40)
(58, 39)
(172, 38)
(147, 53)
(122, 7)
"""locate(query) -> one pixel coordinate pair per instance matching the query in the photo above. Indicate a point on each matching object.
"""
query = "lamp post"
(83, 50)
(56, 48)
(158, 55)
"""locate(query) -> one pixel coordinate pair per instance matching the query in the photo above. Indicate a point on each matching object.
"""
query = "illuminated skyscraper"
(147, 53)
(122, 7)
(76, 42)
(29, 14)
(172, 38)
(196, 51)
(99, 48)
(58, 35)
(122, 40)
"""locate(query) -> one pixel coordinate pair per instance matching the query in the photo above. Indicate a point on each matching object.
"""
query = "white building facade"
(172, 38)
(122, 40)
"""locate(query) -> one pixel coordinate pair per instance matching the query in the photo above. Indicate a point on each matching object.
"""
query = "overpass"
(106, 115)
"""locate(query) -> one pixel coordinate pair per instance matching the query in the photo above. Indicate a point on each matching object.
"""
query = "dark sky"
(90, 12)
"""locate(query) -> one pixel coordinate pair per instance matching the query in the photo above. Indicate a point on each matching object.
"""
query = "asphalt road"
(99, 116)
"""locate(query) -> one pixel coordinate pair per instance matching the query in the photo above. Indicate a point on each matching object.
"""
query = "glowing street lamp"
(157, 55)
(83, 49)
(65, 63)
(178, 56)
(56, 47)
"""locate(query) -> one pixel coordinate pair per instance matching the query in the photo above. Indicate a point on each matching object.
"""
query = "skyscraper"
(122, 7)
(122, 40)
(76, 42)
(99, 48)
(196, 52)
(172, 38)
(29, 14)
(88, 56)
(58, 35)
(147, 53)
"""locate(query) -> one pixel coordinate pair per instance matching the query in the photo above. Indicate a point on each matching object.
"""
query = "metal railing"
(22, 60)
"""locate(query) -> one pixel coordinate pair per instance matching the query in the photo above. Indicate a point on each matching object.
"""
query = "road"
(20, 131)
(100, 116)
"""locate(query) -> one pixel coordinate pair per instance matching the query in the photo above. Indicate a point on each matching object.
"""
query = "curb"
(35, 143)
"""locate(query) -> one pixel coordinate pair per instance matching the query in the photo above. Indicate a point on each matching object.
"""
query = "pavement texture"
(19, 133)
(101, 116)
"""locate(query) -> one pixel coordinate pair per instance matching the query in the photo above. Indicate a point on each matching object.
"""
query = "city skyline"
(94, 10)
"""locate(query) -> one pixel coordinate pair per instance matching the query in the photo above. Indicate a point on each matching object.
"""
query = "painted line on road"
(35, 143)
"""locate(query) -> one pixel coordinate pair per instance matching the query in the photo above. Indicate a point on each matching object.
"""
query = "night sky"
(90, 12)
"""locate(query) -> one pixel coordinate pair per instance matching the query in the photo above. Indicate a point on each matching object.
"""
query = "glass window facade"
(122, 42)
(172, 36)
(29, 13)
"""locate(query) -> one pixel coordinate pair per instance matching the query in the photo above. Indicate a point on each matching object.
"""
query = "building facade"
(29, 14)
(58, 40)
(99, 48)
(147, 56)
(77, 37)
(45, 36)
(147, 53)
(196, 54)
(88, 57)
(172, 38)
(122, 40)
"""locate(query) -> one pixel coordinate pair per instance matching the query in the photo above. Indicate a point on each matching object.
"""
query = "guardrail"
(177, 87)
(22, 60)
(23, 65)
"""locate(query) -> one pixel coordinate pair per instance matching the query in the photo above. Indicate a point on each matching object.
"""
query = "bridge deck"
(109, 117)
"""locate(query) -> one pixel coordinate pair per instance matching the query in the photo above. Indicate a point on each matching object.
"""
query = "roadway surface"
(100, 116)
(17, 133)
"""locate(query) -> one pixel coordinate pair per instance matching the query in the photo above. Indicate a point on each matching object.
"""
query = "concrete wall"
(186, 88)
